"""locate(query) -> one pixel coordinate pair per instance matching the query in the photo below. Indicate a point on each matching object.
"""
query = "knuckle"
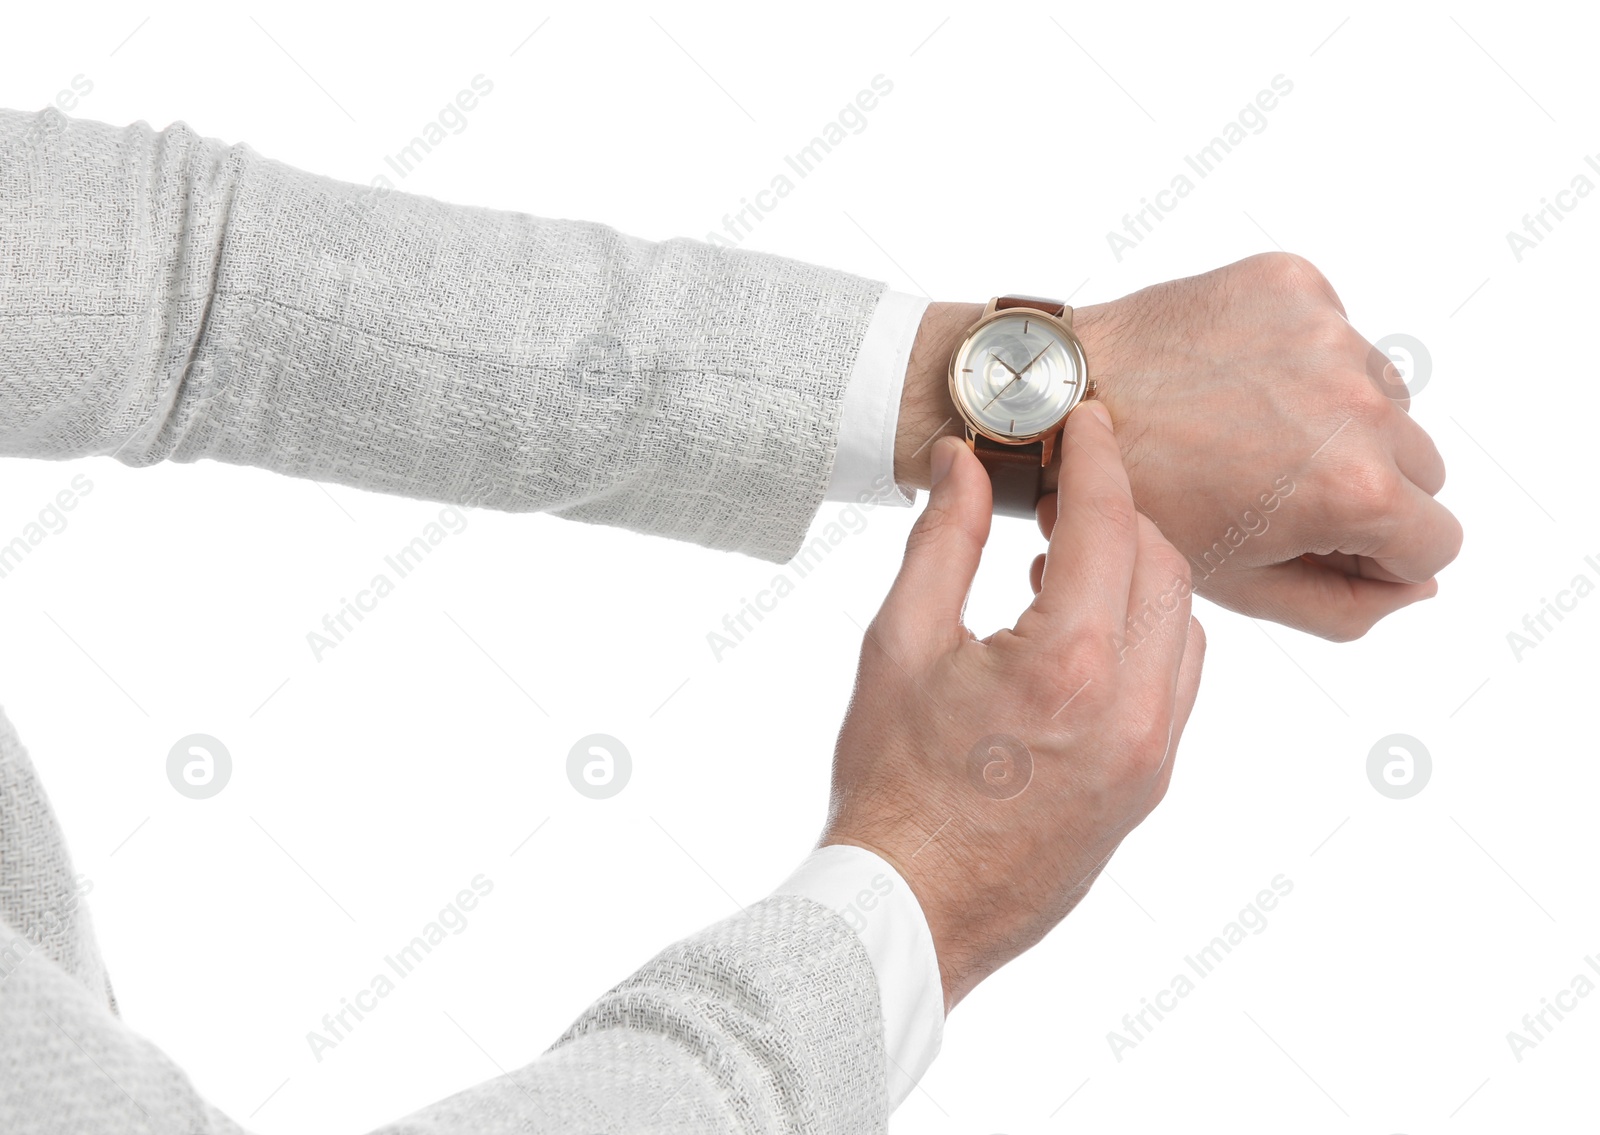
(931, 530)
(1116, 511)
(1273, 265)
(1174, 570)
(885, 637)
(1365, 491)
(1330, 338)
(1366, 399)
(1078, 677)
(1142, 752)
(1290, 270)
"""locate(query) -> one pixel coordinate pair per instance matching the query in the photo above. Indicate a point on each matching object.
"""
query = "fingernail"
(1097, 409)
(943, 456)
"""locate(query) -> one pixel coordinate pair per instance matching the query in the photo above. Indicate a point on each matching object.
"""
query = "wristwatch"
(1015, 376)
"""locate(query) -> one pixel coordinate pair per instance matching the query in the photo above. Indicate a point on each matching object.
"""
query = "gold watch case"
(1062, 327)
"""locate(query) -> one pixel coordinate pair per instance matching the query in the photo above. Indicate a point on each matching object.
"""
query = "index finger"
(1089, 567)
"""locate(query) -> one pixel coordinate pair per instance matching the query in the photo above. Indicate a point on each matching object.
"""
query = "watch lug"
(972, 437)
(989, 308)
(1047, 448)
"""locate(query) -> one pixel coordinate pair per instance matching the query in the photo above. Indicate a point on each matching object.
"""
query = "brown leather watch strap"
(1015, 471)
(1049, 307)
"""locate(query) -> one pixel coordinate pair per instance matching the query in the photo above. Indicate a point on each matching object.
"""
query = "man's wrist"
(927, 412)
(874, 899)
(959, 970)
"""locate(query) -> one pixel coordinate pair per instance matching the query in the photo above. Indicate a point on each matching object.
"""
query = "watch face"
(1016, 376)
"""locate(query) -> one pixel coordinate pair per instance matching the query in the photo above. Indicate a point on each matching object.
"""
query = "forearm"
(165, 296)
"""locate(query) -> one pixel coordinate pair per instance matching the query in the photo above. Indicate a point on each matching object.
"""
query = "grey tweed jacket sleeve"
(167, 296)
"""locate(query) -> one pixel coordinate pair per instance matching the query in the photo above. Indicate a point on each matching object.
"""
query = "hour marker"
(966, 370)
(1013, 426)
(1024, 326)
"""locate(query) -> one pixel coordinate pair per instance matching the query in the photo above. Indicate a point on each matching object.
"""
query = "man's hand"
(998, 775)
(1266, 438)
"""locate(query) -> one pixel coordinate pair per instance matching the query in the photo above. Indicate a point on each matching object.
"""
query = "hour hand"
(1003, 363)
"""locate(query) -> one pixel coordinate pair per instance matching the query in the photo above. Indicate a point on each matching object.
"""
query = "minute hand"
(1035, 359)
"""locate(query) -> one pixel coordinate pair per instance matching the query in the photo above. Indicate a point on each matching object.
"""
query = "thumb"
(924, 606)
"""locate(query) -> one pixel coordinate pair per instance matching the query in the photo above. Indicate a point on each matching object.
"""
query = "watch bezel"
(1063, 329)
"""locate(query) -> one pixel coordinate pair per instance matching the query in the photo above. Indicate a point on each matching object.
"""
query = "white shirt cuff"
(875, 901)
(864, 460)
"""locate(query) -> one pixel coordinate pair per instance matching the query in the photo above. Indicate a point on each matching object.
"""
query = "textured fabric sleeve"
(167, 296)
(766, 1022)
(876, 902)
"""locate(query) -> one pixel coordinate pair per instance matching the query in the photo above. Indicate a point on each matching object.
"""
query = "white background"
(370, 787)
